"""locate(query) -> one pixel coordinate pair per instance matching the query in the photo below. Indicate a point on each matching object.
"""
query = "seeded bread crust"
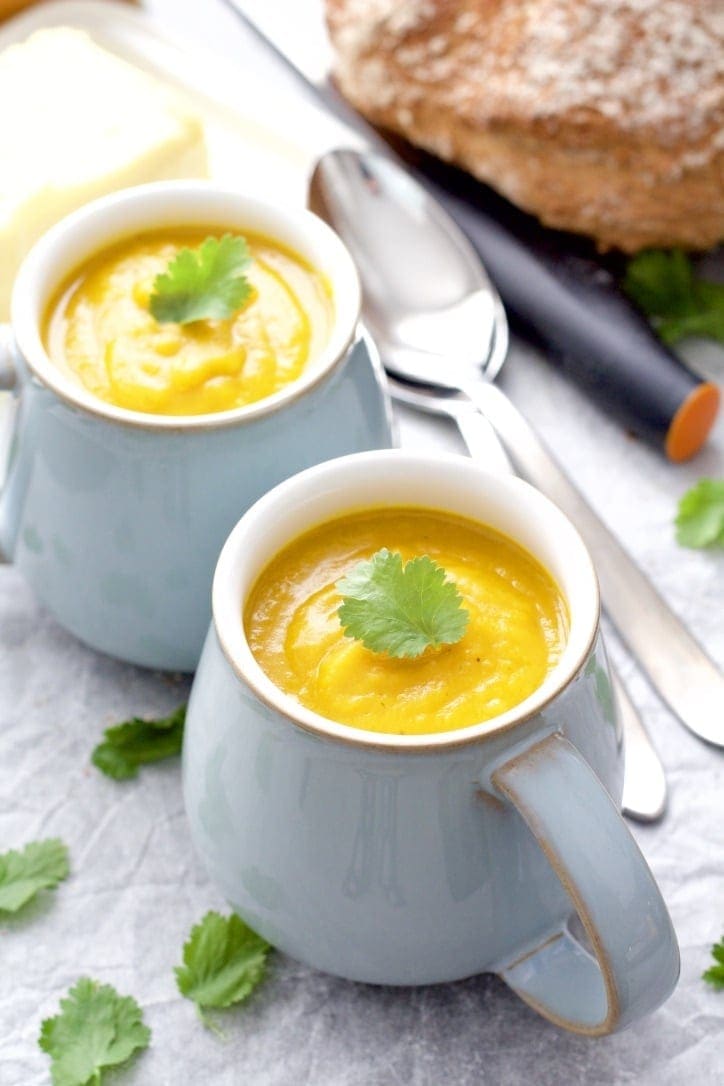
(605, 117)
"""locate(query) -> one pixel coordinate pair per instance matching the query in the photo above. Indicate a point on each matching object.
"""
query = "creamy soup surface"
(516, 632)
(100, 329)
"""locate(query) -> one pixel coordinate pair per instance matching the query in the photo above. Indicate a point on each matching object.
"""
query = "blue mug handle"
(633, 963)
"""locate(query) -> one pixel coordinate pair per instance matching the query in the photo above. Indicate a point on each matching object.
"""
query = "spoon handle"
(644, 783)
(482, 442)
(677, 666)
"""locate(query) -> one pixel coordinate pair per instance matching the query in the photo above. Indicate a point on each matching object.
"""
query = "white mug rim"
(306, 490)
(151, 206)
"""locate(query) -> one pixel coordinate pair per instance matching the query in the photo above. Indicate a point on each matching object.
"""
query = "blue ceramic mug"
(411, 859)
(115, 517)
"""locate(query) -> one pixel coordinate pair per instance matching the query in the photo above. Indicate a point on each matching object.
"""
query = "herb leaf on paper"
(714, 975)
(95, 1029)
(41, 865)
(678, 302)
(138, 742)
(204, 283)
(398, 609)
(700, 519)
(223, 962)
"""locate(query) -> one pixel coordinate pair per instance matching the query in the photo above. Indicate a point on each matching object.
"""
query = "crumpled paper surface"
(137, 888)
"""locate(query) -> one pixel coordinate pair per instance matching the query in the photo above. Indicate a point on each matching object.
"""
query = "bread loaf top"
(652, 68)
(604, 116)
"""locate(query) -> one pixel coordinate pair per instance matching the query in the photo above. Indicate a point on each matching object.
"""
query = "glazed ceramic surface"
(414, 859)
(117, 518)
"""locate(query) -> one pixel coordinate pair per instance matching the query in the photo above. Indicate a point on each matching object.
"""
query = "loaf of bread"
(605, 117)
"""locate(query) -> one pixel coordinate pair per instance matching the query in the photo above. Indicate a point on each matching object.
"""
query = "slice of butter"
(77, 122)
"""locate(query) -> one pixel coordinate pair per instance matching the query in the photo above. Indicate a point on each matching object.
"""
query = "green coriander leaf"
(223, 961)
(207, 283)
(714, 975)
(700, 520)
(96, 1028)
(40, 865)
(679, 303)
(137, 742)
(401, 610)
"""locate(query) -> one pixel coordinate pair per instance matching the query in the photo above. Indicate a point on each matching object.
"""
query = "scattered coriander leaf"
(40, 865)
(138, 742)
(700, 519)
(714, 975)
(679, 303)
(400, 610)
(223, 962)
(96, 1028)
(204, 283)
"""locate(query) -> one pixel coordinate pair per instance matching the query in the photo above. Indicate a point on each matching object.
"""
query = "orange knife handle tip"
(692, 423)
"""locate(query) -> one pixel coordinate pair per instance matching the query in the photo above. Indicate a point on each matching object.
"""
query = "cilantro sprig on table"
(138, 742)
(679, 302)
(223, 962)
(207, 283)
(714, 975)
(401, 610)
(96, 1029)
(700, 519)
(41, 865)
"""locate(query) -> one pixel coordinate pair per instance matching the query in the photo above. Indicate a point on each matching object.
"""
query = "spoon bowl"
(429, 304)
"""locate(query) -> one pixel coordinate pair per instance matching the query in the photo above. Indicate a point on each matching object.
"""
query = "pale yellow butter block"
(76, 123)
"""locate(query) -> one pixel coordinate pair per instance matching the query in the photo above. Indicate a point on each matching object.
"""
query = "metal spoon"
(645, 791)
(431, 309)
(644, 795)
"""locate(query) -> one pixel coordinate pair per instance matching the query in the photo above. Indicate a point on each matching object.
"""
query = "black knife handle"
(558, 290)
